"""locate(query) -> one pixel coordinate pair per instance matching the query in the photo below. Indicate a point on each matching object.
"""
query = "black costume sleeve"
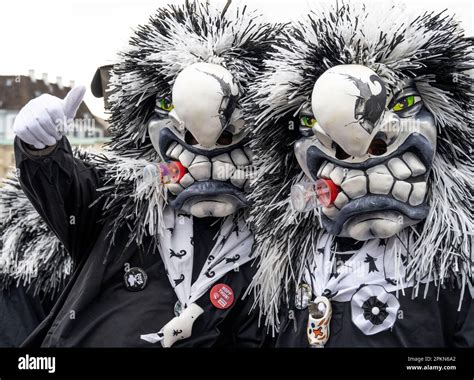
(246, 329)
(243, 326)
(61, 188)
(464, 334)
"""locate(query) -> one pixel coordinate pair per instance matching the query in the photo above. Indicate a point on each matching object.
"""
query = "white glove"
(42, 121)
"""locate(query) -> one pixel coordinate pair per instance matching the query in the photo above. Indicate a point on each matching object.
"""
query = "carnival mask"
(375, 143)
(200, 125)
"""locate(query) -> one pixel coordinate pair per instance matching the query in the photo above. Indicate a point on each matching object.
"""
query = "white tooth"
(380, 183)
(355, 187)
(418, 194)
(416, 166)
(379, 169)
(238, 178)
(174, 188)
(239, 158)
(401, 190)
(330, 212)
(354, 173)
(222, 171)
(199, 158)
(327, 170)
(177, 150)
(170, 148)
(321, 169)
(341, 200)
(248, 153)
(186, 158)
(399, 168)
(337, 175)
(187, 180)
(201, 171)
(222, 158)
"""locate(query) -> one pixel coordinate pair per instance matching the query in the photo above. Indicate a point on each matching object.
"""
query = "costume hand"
(43, 121)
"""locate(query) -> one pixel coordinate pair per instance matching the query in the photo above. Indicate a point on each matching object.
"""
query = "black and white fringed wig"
(377, 102)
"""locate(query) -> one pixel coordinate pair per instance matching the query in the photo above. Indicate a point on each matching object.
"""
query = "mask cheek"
(155, 126)
(428, 129)
(301, 149)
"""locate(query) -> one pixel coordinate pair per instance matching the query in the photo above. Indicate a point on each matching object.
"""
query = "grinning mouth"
(214, 175)
(398, 184)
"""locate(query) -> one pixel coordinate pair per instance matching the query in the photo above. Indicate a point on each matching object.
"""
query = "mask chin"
(219, 206)
(373, 225)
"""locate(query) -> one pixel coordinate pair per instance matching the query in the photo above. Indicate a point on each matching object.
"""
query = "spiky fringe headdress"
(432, 50)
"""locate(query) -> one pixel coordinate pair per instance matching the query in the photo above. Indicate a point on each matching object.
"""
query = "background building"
(16, 91)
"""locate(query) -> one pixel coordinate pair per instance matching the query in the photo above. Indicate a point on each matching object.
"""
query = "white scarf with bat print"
(232, 248)
(366, 279)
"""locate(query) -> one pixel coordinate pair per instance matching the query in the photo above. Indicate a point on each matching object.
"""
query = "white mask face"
(201, 127)
(378, 149)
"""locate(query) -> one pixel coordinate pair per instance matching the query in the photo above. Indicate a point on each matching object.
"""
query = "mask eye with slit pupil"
(165, 104)
(307, 121)
(405, 103)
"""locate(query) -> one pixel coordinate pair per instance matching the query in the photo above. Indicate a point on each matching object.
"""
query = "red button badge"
(222, 296)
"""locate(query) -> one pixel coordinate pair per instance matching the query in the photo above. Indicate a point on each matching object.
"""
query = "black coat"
(21, 311)
(433, 321)
(96, 309)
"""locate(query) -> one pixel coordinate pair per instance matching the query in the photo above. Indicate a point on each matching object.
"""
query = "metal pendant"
(303, 296)
(135, 279)
(178, 308)
(320, 312)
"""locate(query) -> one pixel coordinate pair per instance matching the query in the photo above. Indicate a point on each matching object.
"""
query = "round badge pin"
(222, 296)
(135, 279)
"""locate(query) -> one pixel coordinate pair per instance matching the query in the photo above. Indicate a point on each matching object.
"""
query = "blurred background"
(48, 46)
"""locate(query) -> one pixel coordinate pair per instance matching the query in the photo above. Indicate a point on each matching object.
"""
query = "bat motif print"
(179, 280)
(210, 273)
(232, 259)
(371, 261)
(179, 255)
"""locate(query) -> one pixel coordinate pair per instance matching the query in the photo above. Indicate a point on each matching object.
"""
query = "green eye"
(165, 104)
(404, 103)
(308, 121)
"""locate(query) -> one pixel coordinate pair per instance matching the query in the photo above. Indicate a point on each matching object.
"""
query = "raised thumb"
(73, 100)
